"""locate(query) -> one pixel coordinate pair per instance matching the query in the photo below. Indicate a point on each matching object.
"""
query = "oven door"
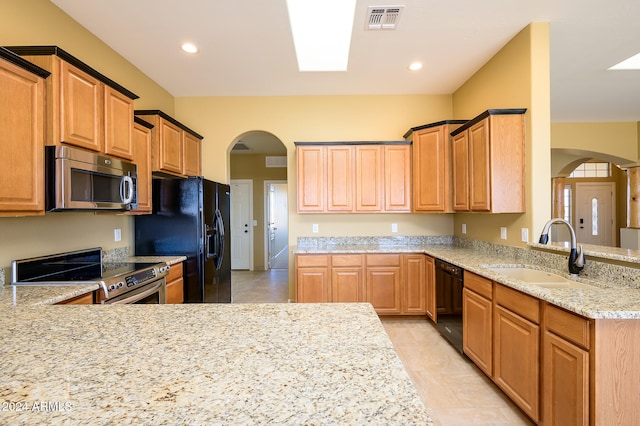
(149, 294)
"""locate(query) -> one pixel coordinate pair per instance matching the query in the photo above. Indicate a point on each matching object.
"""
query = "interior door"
(277, 225)
(241, 226)
(595, 213)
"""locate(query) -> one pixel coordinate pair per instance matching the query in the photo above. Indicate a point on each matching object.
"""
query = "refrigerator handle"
(219, 240)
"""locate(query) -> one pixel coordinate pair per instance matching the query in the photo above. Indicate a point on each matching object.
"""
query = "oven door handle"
(138, 296)
(126, 189)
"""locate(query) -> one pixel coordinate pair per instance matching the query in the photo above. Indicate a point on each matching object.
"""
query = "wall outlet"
(314, 228)
(394, 227)
(525, 235)
(117, 234)
(464, 228)
(503, 232)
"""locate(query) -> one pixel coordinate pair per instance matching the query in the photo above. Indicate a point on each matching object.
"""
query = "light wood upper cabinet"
(175, 149)
(397, 178)
(432, 185)
(142, 158)
(311, 178)
(84, 108)
(353, 177)
(369, 178)
(118, 124)
(488, 163)
(21, 136)
(81, 110)
(340, 176)
(192, 155)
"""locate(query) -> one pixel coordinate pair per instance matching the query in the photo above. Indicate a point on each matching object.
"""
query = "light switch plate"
(503, 232)
(394, 227)
(315, 228)
(117, 234)
(464, 228)
(525, 235)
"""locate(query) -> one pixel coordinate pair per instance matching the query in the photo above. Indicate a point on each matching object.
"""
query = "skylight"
(322, 33)
(632, 63)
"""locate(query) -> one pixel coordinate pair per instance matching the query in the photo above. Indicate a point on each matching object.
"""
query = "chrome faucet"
(576, 256)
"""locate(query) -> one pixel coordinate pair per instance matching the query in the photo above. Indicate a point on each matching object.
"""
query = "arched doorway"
(258, 160)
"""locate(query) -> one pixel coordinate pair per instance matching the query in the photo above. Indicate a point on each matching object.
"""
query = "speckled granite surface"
(49, 295)
(615, 292)
(203, 364)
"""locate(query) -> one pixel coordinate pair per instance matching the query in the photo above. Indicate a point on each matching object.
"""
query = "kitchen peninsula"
(202, 364)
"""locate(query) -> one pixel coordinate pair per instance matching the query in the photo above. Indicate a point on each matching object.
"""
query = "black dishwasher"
(449, 284)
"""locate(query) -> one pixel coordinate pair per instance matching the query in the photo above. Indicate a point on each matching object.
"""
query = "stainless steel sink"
(537, 277)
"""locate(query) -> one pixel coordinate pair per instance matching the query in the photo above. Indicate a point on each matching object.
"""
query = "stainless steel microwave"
(84, 180)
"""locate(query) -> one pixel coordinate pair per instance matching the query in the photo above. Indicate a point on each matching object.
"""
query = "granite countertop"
(202, 364)
(604, 300)
(49, 295)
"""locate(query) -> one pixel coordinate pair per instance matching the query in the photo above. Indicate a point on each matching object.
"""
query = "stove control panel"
(141, 277)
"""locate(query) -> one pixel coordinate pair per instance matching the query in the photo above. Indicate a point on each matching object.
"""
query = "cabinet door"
(142, 157)
(566, 382)
(479, 167)
(340, 172)
(383, 289)
(430, 168)
(397, 178)
(170, 149)
(369, 178)
(477, 330)
(460, 153)
(81, 108)
(516, 353)
(430, 275)
(347, 285)
(312, 285)
(311, 162)
(118, 124)
(174, 292)
(414, 297)
(21, 140)
(192, 159)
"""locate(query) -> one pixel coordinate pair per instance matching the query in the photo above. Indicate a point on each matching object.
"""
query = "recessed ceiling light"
(415, 66)
(632, 63)
(322, 33)
(189, 48)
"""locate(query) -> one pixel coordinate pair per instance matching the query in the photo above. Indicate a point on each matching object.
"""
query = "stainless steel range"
(120, 282)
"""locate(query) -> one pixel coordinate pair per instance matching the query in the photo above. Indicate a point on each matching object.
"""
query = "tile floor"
(452, 388)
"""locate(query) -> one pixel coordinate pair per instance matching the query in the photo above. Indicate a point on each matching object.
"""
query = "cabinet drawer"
(339, 260)
(383, 260)
(481, 285)
(567, 325)
(304, 261)
(519, 303)
(175, 272)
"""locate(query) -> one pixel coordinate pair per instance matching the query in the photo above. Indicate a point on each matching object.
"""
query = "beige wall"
(40, 22)
(516, 77)
(252, 166)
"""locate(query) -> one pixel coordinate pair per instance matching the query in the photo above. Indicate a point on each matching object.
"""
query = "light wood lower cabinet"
(477, 321)
(347, 278)
(430, 287)
(312, 279)
(516, 348)
(384, 283)
(565, 369)
(395, 284)
(174, 292)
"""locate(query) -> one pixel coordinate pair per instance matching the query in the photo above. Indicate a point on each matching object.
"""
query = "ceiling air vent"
(383, 17)
(240, 146)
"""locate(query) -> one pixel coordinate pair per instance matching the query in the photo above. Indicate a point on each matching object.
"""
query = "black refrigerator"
(191, 218)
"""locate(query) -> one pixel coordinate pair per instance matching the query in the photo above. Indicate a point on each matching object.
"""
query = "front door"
(595, 213)
(241, 229)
